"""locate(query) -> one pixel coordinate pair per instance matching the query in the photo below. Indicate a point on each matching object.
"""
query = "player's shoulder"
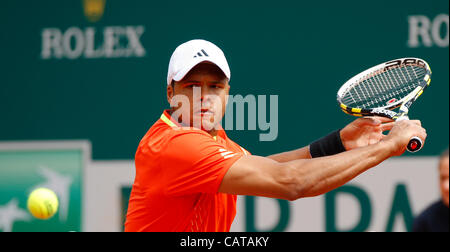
(187, 137)
(233, 145)
(161, 134)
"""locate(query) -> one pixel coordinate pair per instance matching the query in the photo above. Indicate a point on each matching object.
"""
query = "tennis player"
(188, 172)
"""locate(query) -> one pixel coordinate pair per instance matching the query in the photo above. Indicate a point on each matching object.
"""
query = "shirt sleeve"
(195, 163)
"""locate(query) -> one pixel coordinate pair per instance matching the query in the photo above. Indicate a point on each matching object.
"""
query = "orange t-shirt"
(178, 173)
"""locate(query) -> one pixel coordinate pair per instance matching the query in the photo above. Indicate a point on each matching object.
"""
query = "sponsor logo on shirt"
(226, 153)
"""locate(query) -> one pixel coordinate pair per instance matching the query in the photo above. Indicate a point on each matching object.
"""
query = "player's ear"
(170, 92)
(227, 93)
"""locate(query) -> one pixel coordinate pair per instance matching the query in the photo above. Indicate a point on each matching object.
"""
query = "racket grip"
(414, 145)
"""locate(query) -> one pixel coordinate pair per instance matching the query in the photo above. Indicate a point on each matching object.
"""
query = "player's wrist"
(327, 146)
(392, 147)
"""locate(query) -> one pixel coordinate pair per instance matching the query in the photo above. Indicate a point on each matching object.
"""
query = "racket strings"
(382, 88)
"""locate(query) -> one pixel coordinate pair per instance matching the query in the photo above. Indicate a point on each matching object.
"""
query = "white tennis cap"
(188, 55)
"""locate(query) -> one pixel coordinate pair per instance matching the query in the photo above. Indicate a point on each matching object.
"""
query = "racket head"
(385, 87)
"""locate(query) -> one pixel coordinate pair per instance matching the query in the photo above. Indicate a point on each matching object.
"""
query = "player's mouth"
(205, 112)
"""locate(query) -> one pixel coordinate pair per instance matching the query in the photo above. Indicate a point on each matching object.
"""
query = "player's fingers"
(422, 135)
(410, 123)
(387, 126)
(371, 121)
(417, 129)
(383, 119)
(417, 122)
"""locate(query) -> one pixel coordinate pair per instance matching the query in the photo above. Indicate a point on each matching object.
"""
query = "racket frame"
(386, 111)
(405, 103)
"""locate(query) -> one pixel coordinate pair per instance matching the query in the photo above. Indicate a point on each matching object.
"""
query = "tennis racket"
(380, 90)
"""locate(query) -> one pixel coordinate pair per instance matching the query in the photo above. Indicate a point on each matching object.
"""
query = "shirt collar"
(166, 118)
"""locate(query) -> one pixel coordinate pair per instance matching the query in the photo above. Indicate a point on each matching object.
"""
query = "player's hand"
(365, 131)
(401, 134)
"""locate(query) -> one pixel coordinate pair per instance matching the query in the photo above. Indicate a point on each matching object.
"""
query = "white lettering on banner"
(426, 32)
(76, 35)
(74, 43)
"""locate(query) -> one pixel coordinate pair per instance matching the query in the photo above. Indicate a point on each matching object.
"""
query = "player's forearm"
(302, 153)
(320, 175)
(325, 146)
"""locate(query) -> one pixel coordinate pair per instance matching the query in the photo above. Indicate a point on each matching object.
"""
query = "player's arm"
(302, 153)
(359, 133)
(260, 176)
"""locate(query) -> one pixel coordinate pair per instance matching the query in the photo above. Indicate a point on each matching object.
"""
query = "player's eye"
(216, 86)
(191, 85)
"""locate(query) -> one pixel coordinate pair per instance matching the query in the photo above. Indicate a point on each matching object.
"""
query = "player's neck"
(213, 133)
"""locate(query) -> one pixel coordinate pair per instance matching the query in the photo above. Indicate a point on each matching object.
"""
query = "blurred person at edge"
(435, 217)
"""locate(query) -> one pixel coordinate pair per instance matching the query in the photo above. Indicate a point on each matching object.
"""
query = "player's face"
(206, 88)
(444, 182)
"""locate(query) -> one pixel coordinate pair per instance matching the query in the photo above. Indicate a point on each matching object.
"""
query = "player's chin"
(207, 121)
(208, 124)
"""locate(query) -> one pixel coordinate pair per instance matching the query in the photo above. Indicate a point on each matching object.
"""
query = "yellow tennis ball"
(42, 203)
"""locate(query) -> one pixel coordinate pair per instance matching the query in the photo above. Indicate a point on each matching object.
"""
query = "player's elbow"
(290, 181)
(292, 196)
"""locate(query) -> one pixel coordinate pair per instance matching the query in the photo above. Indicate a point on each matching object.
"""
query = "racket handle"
(414, 145)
